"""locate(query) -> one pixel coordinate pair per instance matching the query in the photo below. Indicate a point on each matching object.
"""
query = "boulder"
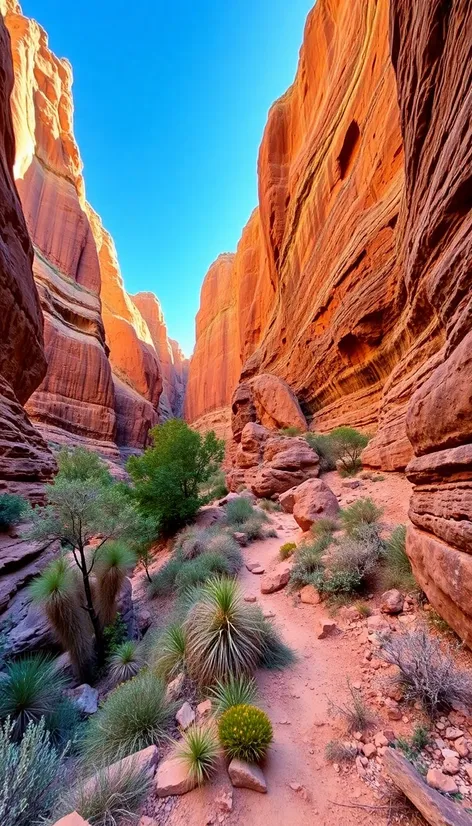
(185, 716)
(204, 709)
(276, 579)
(247, 776)
(309, 595)
(146, 759)
(74, 819)
(287, 500)
(313, 500)
(391, 602)
(86, 698)
(440, 781)
(173, 778)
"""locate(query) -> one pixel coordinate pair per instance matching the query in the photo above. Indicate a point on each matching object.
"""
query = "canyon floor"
(303, 787)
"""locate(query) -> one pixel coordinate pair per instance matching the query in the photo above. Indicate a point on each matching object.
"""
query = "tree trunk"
(99, 638)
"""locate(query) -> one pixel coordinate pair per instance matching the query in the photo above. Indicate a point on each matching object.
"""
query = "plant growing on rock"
(348, 445)
(114, 796)
(426, 673)
(125, 662)
(233, 691)
(199, 750)
(169, 475)
(245, 733)
(12, 509)
(30, 689)
(135, 715)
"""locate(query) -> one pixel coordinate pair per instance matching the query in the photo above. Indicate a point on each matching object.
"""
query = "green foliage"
(201, 569)
(30, 689)
(226, 545)
(413, 746)
(308, 562)
(349, 444)
(397, 571)
(125, 662)
(245, 733)
(163, 582)
(324, 527)
(167, 657)
(223, 634)
(323, 445)
(65, 724)
(420, 738)
(291, 430)
(135, 715)
(269, 506)
(286, 550)
(233, 691)
(275, 654)
(191, 542)
(437, 623)
(364, 609)
(215, 487)
(238, 511)
(115, 634)
(199, 751)
(168, 476)
(81, 465)
(336, 582)
(338, 752)
(360, 513)
(356, 714)
(30, 772)
(113, 797)
(12, 508)
(254, 527)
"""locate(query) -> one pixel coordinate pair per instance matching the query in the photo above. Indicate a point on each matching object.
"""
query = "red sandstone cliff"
(24, 457)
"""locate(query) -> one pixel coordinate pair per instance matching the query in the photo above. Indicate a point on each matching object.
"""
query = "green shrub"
(291, 430)
(30, 774)
(199, 570)
(324, 527)
(349, 444)
(125, 662)
(199, 751)
(364, 609)
(12, 508)
(334, 583)
(30, 688)
(216, 488)
(275, 654)
(191, 542)
(113, 797)
(81, 465)
(227, 547)
(238, 511)
(233, 691)
(308, 562)
(245, 733)
(269, 506)
(254, 527)
(287, 549)
(115, 634)
(360, 513)
(397, 571)
(65, 724)
(168, 653)
(323, 445)
(168, 476)
(163, 582)
(135, 715)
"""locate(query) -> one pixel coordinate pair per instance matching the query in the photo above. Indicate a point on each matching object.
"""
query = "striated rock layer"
(25, 460)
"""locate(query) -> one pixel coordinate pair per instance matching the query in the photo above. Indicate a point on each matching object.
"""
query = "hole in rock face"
(349, 147)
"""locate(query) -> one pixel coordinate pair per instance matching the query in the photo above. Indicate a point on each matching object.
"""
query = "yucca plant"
(167, 658)
(113, 562)
(135, 715)
(112, 798)
(199, 751)
(125, 662)
(234, 691)
(223, 634)
(245, 733)
(29, 690)
(57, 590)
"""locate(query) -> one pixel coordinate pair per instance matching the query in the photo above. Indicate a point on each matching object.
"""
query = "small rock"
(442, 782)
(453, 733)
(391, 602)
(224, 802)
(173, 778)
(296, 787)
(74, 819)
(328, 628)
(250, 598)
(377, 623)
(241, 538)
(380, 740)
(360, 768)
(276, 579)
(259, 570)
(351, 483)
(448, 753)
(185, 716)
(394, 714)
(451, 765)
(86, 698)
(246, 776)
(204, 709)
(309, 595)
(174, 689)
(468, 770)
(461, 747)
(251, 565)
(369, 750)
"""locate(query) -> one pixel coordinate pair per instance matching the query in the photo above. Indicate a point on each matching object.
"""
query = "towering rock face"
(319, 277)
(24, 456)
(436, 262)
(173, 363)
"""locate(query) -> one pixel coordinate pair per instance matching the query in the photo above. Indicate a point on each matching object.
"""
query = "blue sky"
(171, 99)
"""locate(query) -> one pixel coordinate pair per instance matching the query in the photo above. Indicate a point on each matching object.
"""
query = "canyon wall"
(104, 378)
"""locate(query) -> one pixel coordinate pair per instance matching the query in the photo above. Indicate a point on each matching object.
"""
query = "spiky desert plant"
(114, 796)
(397, 572)
(192, 541)
(168, 653)
(239, 510)
(245, 733)
(275, 654)
(355, 712)
(223, 633)
(135, 715)
(125, 662)
(30, 689)
(234, 691)
(199, 751)
(113, 563)
(227, 547)
(57, 590)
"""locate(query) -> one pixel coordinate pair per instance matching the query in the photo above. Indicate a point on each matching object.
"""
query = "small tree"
(86, 510)
(169, 476)
(349, 444)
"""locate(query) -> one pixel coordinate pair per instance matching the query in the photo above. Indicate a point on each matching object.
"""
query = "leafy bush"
(426, 674)
(245, 733)
(199, 570)
(323, 445)
(254, 527)
(223, 634)
(227, 547)
(360, 513)
(125, 662)
(308, 562)
(397, 571)
(324, 527)
(168, 654)
(216, 486)
(349, 444)
(287, 549)
(234, 691)
(338, 752)
(163, 582)
(115, 634)
(169, 475)
(199, 751)
(191, 542)
(81, 465)
(356, 714)
(30, 689)
(238, 511)
(29, 771)
(114, 796)
(135, 715)
(291, 430)
(12, 508)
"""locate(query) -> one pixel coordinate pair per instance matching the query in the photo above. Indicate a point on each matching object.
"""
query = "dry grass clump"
(426, 673)
(112, 798)
(338, 752)
(397, 571)
(355, 713)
